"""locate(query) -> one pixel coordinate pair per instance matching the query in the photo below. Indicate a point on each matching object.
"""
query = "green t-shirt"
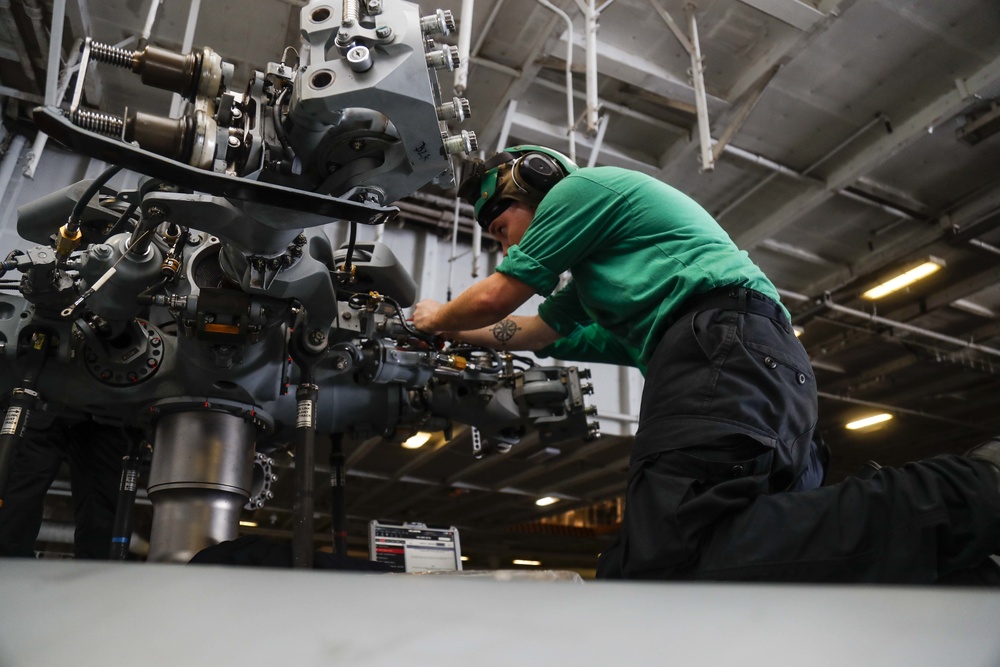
(637, 249)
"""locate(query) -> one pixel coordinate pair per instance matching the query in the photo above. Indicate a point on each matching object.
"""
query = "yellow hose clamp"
(67, 242)
(170, 266)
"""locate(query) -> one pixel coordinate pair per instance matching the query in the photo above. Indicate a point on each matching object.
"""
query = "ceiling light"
(518, 561)
(417, 440)
(869, 421)
(798, 330)
(902, 280)
(547, 500)
(464, 559)
(248, 524)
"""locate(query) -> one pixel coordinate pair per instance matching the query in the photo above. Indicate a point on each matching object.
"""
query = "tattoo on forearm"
(504, 330)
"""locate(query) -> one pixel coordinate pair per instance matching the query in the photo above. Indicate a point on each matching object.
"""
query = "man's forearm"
(482, 304)
(514, 332)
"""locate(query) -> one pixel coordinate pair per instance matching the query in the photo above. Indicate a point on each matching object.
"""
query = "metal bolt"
(383, 32)
(317, 337)
(100, 251)
(151, 363)
(466, 142)
(234, 142)
(358, 144)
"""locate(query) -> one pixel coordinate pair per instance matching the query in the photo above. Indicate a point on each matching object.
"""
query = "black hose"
(497, 359)
(123, 217)
(351, 241)
(73, 224)
(279, 129)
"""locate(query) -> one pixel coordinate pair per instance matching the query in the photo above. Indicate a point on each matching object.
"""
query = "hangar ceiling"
(851, 139)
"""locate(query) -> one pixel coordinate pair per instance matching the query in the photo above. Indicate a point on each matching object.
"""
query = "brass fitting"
(67, 241)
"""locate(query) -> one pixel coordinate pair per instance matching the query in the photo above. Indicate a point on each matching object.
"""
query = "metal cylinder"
(165, 69)
(359, 58)
(199, 481)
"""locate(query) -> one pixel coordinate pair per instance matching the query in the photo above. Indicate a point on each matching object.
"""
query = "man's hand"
(425, 315)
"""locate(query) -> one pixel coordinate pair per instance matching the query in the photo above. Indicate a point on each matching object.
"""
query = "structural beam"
(939, 110)
(793, 12)
(638, 70)
(918, 240)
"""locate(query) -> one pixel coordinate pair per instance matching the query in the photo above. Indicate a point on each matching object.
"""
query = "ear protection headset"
(520, 173)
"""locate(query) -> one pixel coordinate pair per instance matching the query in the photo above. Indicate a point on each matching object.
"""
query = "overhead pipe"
(983, 245)
(454, 246)
(828, 303)
(777, 168)
(898, 410)
(700, 97)
(147, 29)
(461, 80)
(464, 51)
(570, 115)
(591, 14)
(598, 141)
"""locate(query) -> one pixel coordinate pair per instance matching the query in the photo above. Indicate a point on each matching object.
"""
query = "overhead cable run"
(827, 303)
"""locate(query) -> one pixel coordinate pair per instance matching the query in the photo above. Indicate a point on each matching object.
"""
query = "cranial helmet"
(520, 173)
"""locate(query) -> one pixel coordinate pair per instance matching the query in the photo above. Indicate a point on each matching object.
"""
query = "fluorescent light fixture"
(869, 421)
(519, 561)
(904, 279)
(248, 524)
(417, 440)
(547, 500)
(464, 559)
(798, 330)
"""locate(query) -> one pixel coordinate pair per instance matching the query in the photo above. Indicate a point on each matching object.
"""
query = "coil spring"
(101, 123)
(112, 55)
(351, 12)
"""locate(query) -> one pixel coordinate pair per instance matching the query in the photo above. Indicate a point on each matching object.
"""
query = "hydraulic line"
(69, 235)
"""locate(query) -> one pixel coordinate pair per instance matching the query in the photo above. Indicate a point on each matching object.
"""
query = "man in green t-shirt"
(727, 464)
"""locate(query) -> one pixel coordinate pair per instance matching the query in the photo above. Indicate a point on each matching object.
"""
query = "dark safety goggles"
(492, 210)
